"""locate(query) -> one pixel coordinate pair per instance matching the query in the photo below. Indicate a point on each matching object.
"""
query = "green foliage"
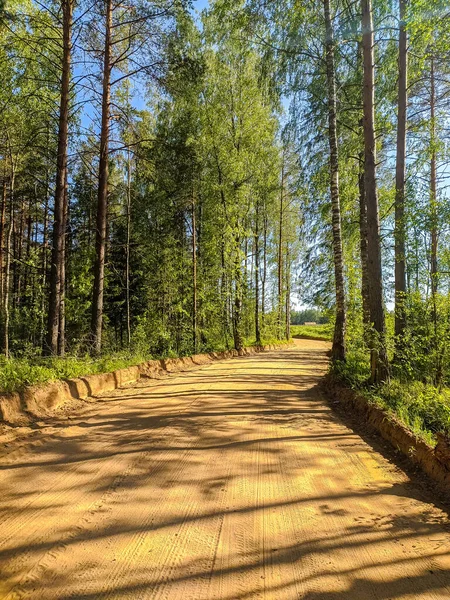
(313, 332)
(426, 345)
(17, 373)
(422, 407)
(419, 404)
(355, 371)
(310, 315)
(213, 171)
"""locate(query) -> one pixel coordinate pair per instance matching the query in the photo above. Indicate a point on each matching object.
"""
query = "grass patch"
(313, 332)
(17, 373)
(421, 407)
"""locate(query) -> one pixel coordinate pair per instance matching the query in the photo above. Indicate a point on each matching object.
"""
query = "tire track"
(231, 482)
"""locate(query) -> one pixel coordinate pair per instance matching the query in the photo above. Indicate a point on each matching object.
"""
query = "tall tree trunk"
(62, 304)
(237, 307)
(400, 176)
(434, 222)
(36, 288)
(127, 250)
(56, 284)
(280, 256)
(245, 282)
(2, 236)
(363, 245)
(6, 308)
(256, 274)
(27, 273)
(237, 313)
(363, 215)
(224, 292)
(264, 276)
(338, 350)
(433, 184)
(44, 258)
(202, 334)
(194, 280)
(379, 360)
(102, 199)
(288, 293)
(18, 262)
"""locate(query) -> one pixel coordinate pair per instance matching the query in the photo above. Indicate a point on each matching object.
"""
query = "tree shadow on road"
(230, 485)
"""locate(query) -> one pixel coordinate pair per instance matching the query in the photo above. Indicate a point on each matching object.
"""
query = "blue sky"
(200, 4)
(139, 94)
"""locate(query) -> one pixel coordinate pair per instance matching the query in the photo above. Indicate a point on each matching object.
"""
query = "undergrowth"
(421, 407)
(18, 373)
(313, 332)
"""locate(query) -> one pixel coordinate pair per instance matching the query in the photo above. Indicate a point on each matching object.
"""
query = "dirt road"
(234, 481)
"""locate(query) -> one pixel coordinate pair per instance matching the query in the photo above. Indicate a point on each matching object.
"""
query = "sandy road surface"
(234, 481)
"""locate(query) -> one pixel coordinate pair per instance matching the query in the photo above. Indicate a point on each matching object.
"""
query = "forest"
(181, 177)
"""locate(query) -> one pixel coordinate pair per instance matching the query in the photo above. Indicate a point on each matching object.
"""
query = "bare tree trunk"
(237, 307)
(2, 236)
(264, 277)
(127, 266)
(27, 250)
(102, 200)
(434, 222)
(62, 304)
(288, 293)
(400, 176)
(6, 300)
(338, 350)
(433, 184)
(194, 280)
(62, 316)
(363, 218)
(44, 259)
(256, 274)
(6, 312)
(36, 288)
(224, 292)
(246, 279)
(14, 262)
(363, 245)
(379, 360)
(61, 167)
(18, 261)
(280, 256)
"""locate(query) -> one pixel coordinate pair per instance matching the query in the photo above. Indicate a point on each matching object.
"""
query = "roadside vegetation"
(165, 230)
(417, 391)
(171, 182)
(422, 407)
(411, 394)
(313, 332)
(17, 373)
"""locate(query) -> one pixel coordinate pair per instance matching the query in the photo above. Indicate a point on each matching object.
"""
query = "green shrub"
(17, 373)
(355, 371)
(422, 407)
